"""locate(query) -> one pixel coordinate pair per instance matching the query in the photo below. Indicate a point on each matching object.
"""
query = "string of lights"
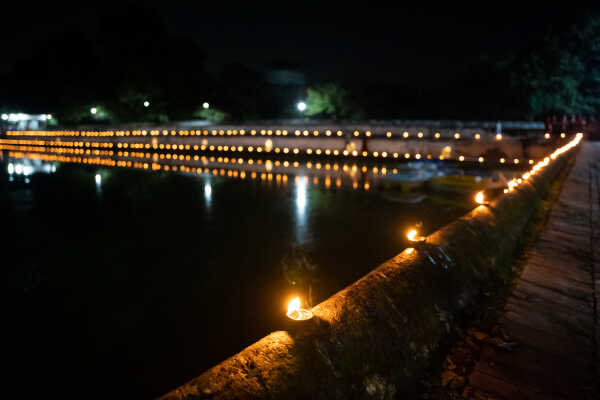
(265, 132)
(268, 147)
(514, 183)
(413, 234)
(33, 148)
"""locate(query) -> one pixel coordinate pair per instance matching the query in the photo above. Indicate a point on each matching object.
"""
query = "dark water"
(131, 286)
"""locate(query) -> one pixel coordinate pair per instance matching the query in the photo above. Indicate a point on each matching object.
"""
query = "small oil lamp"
(480, 198)
(413, 236)
(297, 313)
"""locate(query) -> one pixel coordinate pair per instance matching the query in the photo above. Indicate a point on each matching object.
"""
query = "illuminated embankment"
(410, 144)
(375, 338)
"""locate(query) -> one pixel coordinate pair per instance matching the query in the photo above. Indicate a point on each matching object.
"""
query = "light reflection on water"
(208, 195)
(301, 201)
(180, 262)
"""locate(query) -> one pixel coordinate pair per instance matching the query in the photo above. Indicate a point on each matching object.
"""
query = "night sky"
(411, 47)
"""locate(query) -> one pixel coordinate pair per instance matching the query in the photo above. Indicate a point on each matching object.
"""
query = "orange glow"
(413, 236)
(295, 312)
(480, 198)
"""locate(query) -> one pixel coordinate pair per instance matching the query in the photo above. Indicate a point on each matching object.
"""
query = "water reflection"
(175, 243)
(301, 200)
(98, 181)
(208, 195)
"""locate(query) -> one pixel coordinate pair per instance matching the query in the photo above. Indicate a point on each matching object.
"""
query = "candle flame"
(294, 305)
(413, 236)
(295, 312)
(479, 198)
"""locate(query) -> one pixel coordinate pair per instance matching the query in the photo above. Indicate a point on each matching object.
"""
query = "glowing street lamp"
(93, 110)
(4, 117)
(297, 313)
(205, 105)
(301, 106)
(146, 104)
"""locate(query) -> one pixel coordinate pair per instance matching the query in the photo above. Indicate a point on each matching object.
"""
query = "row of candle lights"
(269, 164)
(268, 148)
(253, 132)
(413, 234)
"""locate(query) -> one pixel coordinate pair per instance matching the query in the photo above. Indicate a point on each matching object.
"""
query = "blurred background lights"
(301, 106)
(93, 110)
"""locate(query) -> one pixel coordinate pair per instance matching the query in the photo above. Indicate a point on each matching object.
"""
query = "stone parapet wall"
(375, 338)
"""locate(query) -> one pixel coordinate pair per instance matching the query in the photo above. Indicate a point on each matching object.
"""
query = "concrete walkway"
(552, 312)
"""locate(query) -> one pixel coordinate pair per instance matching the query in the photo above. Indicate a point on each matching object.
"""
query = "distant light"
(205, 105)
(146, 103)
(93, 110)
(11, 168)
(17, 117)
(18, 169)
(498, 136)
(98, 179)
(27, 170)
(4, 117)
(301, 106)
(49, 116)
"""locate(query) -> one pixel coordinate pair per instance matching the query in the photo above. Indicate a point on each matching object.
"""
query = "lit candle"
(413, 236)
(480, 198)
(297, 313)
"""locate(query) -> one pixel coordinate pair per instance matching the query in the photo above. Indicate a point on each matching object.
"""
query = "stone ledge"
(375, 338)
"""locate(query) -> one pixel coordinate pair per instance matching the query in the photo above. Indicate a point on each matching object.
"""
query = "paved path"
(552, 312)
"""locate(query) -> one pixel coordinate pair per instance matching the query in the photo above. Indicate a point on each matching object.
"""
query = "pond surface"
(127, 283)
